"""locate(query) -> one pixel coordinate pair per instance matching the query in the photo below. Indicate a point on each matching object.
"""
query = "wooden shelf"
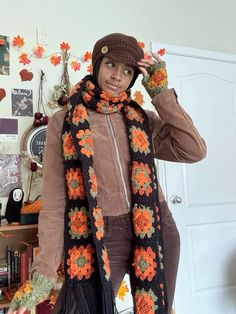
(4, 303)
(11, 227)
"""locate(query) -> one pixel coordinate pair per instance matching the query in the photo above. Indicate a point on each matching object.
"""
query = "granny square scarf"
(87, 288)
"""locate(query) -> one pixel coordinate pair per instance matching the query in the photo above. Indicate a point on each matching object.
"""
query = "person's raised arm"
(175, 138)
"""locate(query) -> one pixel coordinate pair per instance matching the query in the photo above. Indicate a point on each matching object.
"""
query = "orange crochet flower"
(143, 220)
(69, 149)
(86, 96)
(99, 222)
(79, 115)
(80, 262)
(139, 140)
(145, 302)
(106, 266)
(140, 177)
(93, 182)
(25, 288)
(105, 107)
(134, 114)
(108, 97)
(85, 141)
(159, 78)
(75, 184)
(144, 265)
(79, 223)
(89, 87)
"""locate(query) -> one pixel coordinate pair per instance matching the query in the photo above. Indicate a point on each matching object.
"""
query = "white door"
(205, 82)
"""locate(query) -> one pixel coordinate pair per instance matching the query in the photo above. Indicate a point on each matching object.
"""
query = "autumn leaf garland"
(55, 59)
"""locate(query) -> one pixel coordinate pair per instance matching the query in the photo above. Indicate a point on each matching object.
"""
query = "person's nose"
(116, 74)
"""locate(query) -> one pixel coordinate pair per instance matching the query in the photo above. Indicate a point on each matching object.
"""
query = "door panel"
(206, 86)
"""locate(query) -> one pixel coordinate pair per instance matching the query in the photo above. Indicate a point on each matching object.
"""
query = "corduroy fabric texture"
(86, 258)
(119, 47)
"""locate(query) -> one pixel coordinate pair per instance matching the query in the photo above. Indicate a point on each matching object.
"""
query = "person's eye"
(128, 72)
(110, 64)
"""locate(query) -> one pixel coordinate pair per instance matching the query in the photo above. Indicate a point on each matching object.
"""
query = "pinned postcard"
(8, 130)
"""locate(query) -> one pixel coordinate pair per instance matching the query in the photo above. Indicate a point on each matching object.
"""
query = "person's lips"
(113, 86)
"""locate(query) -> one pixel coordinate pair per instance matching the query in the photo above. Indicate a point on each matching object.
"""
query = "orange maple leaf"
(2, 42)
(122, 292)
(87, 56)
(161, 52)
(64, 46)
(90, 68)
(23, 58)
(138, 97)
(147, 55)
(18, 41)
(38, 51)
(141, 44)
(55, 60)
(75, 65)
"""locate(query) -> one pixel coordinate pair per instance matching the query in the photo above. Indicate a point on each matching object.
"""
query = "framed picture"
(33, 141)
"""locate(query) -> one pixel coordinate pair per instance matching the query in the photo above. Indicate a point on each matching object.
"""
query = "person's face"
(23, 103)
(114, 77)
(17, 195)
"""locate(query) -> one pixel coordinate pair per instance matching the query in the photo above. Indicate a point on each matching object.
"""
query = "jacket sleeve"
(175, 137)
(51, 217)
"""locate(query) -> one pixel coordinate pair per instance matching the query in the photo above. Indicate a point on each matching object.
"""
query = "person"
(23, 106)
(103, 209)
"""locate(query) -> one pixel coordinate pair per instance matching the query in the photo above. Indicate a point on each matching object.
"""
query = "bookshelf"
(17, 227)
(11, 235)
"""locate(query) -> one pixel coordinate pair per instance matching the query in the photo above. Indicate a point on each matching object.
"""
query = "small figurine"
(14, 205)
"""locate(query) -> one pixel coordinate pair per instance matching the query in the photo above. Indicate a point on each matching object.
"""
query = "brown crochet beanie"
(120, 48)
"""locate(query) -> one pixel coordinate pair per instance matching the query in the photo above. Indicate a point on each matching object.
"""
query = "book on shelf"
(19, 259)
(3, 272)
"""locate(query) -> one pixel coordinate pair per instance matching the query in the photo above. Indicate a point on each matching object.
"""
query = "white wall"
(206, 24)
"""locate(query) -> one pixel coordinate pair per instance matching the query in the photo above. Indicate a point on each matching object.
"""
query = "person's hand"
(21, 310)
(145, 63)
(30, 294)
(154, 75)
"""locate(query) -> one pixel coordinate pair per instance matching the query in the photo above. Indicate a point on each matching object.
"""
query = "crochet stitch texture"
(86, 258)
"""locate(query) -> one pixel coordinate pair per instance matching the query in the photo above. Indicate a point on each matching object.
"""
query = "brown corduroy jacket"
(174, 139)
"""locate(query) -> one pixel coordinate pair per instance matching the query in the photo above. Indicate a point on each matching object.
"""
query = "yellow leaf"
(123, 290)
